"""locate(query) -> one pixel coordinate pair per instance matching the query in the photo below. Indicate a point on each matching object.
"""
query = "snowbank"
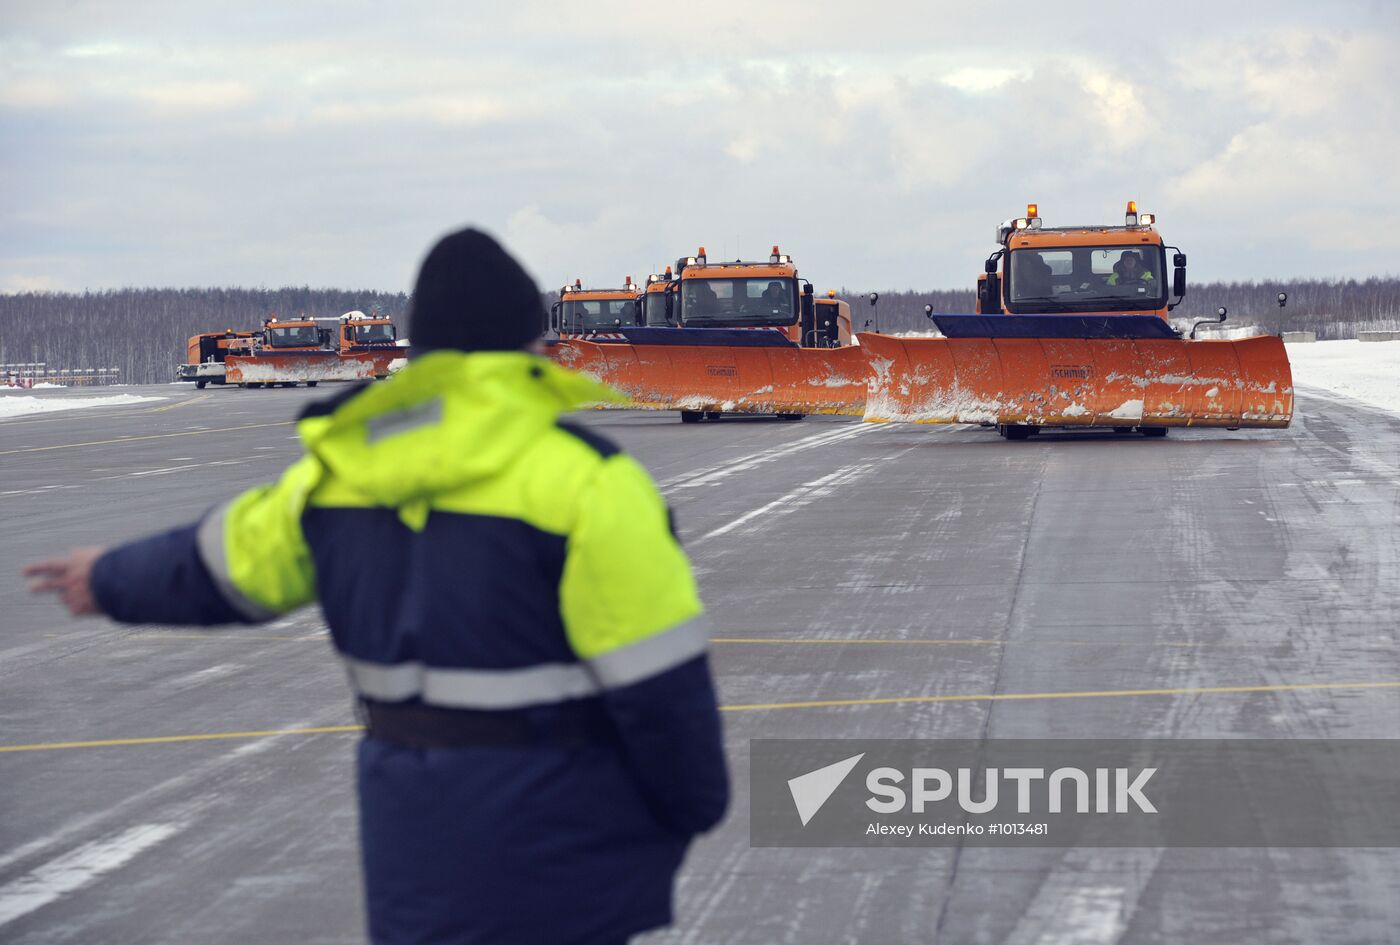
(1366, 371)
(18, 405)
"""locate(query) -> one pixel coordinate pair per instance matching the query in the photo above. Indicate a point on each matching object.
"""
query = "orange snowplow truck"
(205, 354)
(581, 312)
(1072, 331)
(732, 337)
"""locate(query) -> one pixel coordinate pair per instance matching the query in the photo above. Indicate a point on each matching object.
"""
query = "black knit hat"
(473, 296)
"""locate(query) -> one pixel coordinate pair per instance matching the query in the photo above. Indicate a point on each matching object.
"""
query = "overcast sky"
(186, 143)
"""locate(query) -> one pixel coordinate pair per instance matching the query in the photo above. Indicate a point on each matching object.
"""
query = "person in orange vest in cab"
(514, 613)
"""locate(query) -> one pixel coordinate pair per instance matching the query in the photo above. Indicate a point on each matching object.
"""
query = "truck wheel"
(712, 414)
(199, 385)
(1015, 431)
(1122, 429)
(691, 416)
(312, 383)
(791, 416)
(1153, 431)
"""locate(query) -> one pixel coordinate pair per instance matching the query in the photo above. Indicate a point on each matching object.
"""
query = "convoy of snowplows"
(1071, 330)
(288, 352)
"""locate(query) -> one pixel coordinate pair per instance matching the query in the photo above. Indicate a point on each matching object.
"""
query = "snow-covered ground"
(1368, 371)
(18, 405)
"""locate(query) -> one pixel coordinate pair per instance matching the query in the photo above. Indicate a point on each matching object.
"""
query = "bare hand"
(70, 578)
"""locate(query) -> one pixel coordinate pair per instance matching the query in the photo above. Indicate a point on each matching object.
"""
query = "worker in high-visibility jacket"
(512, 608)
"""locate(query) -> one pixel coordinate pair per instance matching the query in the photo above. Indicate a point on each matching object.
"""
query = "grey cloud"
(330, 143)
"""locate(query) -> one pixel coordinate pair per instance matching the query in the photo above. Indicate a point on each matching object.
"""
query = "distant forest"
(142, 332)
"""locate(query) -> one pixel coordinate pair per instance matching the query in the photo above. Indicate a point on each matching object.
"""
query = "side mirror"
(990, 267)
(991, 294)
(807, 289)
(1179, 280)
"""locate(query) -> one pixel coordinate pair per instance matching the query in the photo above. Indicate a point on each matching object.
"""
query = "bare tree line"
(142, 332)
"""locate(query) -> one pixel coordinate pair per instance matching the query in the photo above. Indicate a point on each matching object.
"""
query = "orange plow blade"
(1090, 382)
(725, 378)
(304, 366)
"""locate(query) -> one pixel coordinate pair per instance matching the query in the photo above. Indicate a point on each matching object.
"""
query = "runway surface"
(862, 567)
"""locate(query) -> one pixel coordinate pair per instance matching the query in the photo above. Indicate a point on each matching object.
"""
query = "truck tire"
(692, 416)
(791, 416)
(312, 383)
(1016, 431)
(199, 385)
(1153, 431)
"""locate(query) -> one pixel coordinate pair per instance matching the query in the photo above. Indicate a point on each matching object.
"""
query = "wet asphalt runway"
(842, 562)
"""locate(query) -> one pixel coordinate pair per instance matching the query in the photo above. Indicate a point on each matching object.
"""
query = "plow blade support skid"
(731, 379)
(1089, 382)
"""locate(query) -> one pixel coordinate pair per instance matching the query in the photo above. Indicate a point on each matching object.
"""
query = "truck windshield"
(739, 302)
(294, 337)
(600, 314)
(1086, 279)
(372, 334)
(655, 309)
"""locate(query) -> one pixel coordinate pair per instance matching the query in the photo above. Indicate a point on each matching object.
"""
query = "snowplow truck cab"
(765, 295)
(1071, 330)
(581, 313)
(1082, 270)
(659, 306)
(361, 332)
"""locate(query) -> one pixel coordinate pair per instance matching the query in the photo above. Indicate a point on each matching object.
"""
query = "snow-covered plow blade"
(723, 370)
(1077, 371)
(308, 367)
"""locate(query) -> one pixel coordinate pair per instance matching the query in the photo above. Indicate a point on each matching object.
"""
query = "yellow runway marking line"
(814, 704)
(180, 403)
(239, 637)
(1030, 696)
(170, 739)
(916, 641)
(152, 436)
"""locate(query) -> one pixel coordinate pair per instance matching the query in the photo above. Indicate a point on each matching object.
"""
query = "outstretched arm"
(245, 561)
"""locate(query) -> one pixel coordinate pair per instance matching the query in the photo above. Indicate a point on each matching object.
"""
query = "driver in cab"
(1129, 270)
(774, 297)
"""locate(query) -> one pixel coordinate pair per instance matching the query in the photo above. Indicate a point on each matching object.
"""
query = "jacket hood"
(445, 420)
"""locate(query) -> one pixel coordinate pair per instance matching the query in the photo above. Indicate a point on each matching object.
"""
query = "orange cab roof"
(1085, 236)
(740, 269)
(598, 295)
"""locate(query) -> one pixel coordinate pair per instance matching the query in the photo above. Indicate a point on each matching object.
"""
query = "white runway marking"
(77, 868)
(803, 495)
(709, 476)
